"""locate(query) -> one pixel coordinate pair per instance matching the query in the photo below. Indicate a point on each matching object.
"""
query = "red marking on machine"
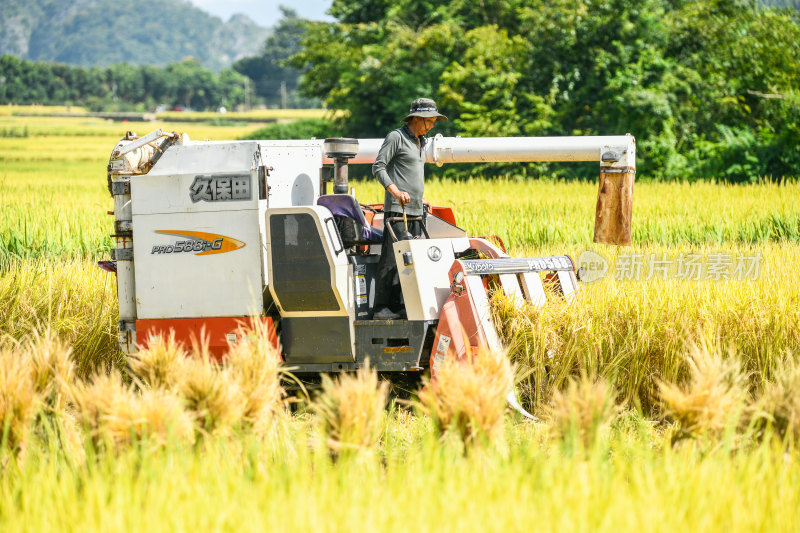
(460, 330)
(220, 333)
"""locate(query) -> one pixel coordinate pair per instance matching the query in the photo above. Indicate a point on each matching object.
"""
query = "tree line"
(709, 88)
(258, 80)
(122, 87)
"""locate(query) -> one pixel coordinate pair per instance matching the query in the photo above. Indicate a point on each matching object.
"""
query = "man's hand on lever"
(400, 196)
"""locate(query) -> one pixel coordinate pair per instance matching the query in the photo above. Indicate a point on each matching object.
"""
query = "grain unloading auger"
(211, 236)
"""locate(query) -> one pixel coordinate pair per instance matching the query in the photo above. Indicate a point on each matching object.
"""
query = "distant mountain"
(794, 4)
(105, 32)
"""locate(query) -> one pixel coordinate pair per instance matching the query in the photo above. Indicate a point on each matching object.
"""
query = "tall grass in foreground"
(144, 470)
(227, 488)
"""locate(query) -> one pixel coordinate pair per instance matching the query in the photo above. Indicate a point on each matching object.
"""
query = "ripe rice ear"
(779, 404)
(108, 409)
(115, 414)
(53, 370)
(161, 364)
(55, 293)
(582, 412)
(255, 365)
(468, 398)
(350, 410)
(18, 402)
(211, 395)
(162, 417)
(712, 398)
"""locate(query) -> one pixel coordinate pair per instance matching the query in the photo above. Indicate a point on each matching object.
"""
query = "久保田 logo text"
(220, 188)
(197, 242)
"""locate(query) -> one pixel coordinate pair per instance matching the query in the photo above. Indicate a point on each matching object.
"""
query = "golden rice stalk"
(161, 364)
(107, 409)
(712, 399)
(70, 438)
(115, 414)
(468, 397)
(18, 401)
(350, 410)
(255, 364)
(211, 395)
(162, 417)
(583, 411)
(53, 370)
(780, 401)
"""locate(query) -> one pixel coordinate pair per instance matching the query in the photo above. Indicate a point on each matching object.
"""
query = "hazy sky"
(265, 12)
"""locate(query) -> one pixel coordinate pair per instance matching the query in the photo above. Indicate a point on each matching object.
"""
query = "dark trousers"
(387, 283)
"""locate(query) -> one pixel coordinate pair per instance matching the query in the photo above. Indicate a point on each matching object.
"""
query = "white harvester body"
(213, 234)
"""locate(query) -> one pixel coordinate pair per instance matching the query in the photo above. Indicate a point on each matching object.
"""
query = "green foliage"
(119, 87)
(374, 81)
(299, 129)
(702, 85)
(742, 154)
(274, 81)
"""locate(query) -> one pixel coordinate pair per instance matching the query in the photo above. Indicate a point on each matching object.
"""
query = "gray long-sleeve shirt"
(402, 161)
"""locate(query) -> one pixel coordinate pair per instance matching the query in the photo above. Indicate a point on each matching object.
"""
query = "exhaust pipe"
(340, 150)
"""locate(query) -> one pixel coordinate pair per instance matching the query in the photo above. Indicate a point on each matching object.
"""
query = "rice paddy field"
(669, 389)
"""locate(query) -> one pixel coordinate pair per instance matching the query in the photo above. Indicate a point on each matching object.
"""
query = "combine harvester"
(212, 235)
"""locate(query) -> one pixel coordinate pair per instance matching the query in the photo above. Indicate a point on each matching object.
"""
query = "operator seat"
(349, 216)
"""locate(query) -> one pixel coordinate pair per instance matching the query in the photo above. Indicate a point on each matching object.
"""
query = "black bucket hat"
(424, 107)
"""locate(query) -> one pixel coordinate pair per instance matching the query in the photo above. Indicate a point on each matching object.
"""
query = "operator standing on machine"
(400, 167)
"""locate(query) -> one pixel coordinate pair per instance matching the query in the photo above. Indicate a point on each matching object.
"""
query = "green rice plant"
(255, 364)
(632, 484)
(531, 213)
(582, 413)
(468, 398)
(350, 411)
(19, 403)
(713, 398)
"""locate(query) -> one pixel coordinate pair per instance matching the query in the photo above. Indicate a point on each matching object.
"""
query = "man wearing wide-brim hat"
(400, 167)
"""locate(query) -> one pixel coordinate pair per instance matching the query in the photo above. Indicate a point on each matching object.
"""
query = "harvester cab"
(211, 236)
